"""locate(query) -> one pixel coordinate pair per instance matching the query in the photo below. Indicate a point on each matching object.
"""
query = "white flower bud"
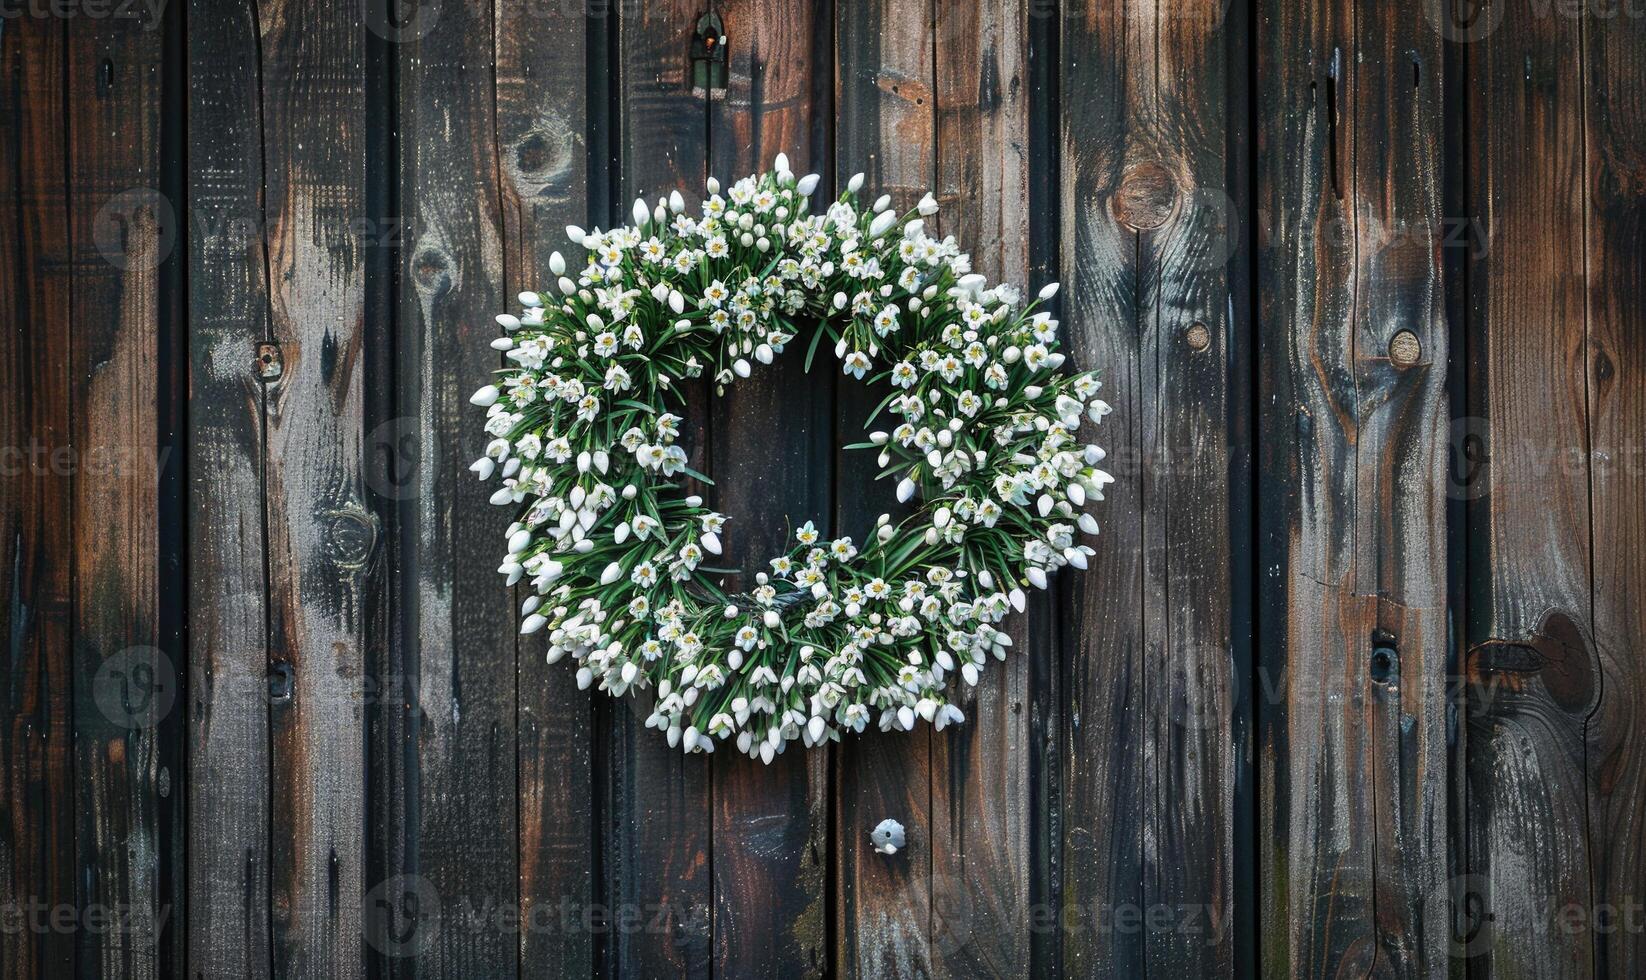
(741, 368)
(780, 162)
(807, 185)
(557, 265)
(1037, 577)
(612, 573)
(710, 542)
(1049, 290)
(882, 222)
(519, 541)
(763, 353)
(905, 490)
(576, 234)
(531, 624)
(485, 396)
(503, 344)
(677, 302)
(483, 467)
(772, 619)
(713, 186)
(677, 203)
(855, 184)
(1088, 523)
(927, 205)
(529, 299)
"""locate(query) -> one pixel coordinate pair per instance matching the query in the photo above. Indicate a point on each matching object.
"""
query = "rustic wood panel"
(660, 824)
(458, 624)
(322, 539)
(380, 777)
(1352, 369)
(1532, 677)
(126, 680)
(37, 770)
(1615, 357)
(544, 117)
(772, 454)
(981, 782)
(228, 317)
(886, 128)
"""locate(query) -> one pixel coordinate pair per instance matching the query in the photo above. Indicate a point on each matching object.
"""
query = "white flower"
(857, 364)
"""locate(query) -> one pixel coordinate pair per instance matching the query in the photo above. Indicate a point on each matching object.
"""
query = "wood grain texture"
(1615, 743)
(126, 682)
(770, 821)
(322, 539)
(981, 780)
(1533, 675)
(228, 312)
(886, 128)
(545, 113)
(458, 624)
(1353, 483)
(37, 767)
(661, 823)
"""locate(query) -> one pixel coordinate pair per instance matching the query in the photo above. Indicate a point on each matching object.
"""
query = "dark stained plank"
(981, 776)
(457, 620)
(1615, 122)
(886, 121)
(1105, 86)
(1187, 330)
(37, 776)
(1352, 361)
(771, 458)
(659, 828)
(126, 682)
(228, 744)
(322, 538)
(1532, 677)
(1400, 351)
(543, 116)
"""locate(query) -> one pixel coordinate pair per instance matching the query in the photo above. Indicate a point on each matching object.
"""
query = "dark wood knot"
(1146, 197)
(1198, 337)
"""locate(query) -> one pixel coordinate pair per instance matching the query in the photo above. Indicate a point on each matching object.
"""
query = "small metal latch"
(708, 55)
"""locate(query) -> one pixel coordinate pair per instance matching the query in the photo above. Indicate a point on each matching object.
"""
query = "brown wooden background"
(1353, 687)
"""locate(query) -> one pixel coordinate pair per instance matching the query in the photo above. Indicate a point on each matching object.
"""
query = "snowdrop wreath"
(585, 424)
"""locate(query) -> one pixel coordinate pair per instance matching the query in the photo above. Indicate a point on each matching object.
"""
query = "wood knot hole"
(1146, 197)
(270, 364)
(1405, 349)
(1198, 337)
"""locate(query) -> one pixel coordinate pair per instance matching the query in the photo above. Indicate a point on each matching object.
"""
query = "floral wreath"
(585, 425)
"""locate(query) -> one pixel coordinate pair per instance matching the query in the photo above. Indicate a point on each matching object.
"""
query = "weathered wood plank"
(1187, 329)
(886, 123)
(37, 777)
(229, 762)
(771, 453)
(660, 822)
(457, 621)
(1106, 82)
(126, 683)
(1532, 682)
(1615, 356)
(981, 777)
(322, 539)
(544, 114)
(1352, 364)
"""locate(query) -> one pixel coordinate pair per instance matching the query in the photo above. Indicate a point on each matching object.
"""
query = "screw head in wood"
(1405, 349)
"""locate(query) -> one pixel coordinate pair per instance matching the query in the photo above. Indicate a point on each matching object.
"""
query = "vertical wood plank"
(1532, 678)
(981, 776)
(772, 453)
(126, 683)
(322, 539)
(660, 812)
(1615, 163)
(229, 760)
(37, 772)
(885, 84)
(457, 622)
(1106, 80)
(545, 113)
(1352, 364)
